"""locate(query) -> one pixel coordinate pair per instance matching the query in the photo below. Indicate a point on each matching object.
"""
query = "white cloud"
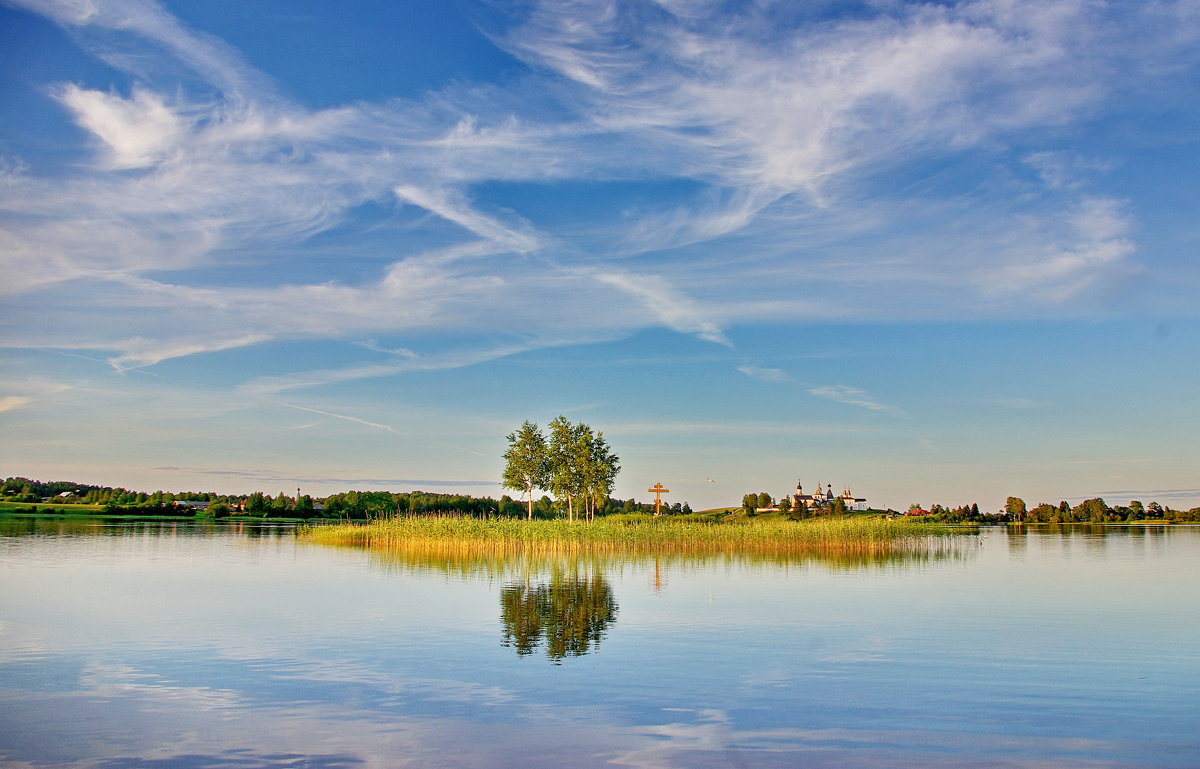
(450, 359)
(853, 396)
(139, 131)
(139, 352)
(449, 205)
(1020, 404)
(1097, 247)
(11, 402)
(27, 391)
(765, 374)
(776, 133)
(744, 428)
(343, 417)
(666, 303)
(1065, 170)
(208, 57)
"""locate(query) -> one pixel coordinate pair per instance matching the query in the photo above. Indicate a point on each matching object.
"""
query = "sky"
(938, 252)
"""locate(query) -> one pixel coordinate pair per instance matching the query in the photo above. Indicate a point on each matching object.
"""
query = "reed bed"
(456, 535)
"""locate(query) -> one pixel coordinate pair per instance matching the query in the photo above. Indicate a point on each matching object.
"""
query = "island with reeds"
(699, 535)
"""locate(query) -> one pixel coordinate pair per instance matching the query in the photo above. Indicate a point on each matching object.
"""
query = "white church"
(822, 497)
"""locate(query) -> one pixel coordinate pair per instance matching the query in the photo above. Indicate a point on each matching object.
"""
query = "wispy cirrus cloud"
(1150, 495)
(853, 396)
(343, 417)
(664, 301)
(267, 475)
(785, 136)
(11, 402)
(24, 392)
(1097, 246)
(745, 428)
(764, 374)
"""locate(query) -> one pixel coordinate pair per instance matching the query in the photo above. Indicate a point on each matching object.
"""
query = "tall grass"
(856, 536)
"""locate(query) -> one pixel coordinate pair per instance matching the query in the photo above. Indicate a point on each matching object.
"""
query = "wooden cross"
(658, 491)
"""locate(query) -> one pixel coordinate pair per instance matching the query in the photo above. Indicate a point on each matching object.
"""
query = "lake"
(186, 645)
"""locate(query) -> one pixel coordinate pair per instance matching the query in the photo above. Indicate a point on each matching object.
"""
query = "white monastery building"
(825, 497)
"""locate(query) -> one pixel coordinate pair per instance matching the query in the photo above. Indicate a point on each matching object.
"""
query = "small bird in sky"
(710, 480)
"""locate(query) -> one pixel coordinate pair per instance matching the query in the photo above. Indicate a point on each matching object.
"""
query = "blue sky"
(935, 252)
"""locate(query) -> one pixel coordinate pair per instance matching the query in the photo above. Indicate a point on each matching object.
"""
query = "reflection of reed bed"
(490, 560)
(446, 540)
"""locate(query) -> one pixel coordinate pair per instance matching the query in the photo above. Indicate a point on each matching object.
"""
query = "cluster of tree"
(1094, 511)
(960, 514)
(752, 501)
(385, 504)
(572, 462)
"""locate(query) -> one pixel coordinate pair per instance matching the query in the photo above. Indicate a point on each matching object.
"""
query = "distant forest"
(1015, 511)
(364, 505)
(350, 504)
(1094, 511)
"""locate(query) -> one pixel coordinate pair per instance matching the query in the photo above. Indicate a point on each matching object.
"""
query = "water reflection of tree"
(569, 614)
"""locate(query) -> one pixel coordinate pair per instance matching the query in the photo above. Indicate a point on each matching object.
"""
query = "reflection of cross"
(658, 491)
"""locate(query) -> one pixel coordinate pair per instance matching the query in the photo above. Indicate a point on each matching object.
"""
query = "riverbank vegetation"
(27, 496)
(633, 533)
(1096, 510)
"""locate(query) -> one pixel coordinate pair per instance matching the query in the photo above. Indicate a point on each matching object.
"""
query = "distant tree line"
(16, 489)
(1094, 510)
(349, 505)
(1015, 511)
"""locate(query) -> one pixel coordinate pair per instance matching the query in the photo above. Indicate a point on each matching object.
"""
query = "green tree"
(1043, 513)
(1093, 510)
(527, 462)
(1015, 507)
(256, 504)
(566, 478)
(599, 466)
(280, 505)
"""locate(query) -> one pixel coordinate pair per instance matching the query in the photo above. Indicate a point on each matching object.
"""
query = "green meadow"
(50, 508)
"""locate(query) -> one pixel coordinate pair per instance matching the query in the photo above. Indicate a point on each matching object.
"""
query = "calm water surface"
(183, 646)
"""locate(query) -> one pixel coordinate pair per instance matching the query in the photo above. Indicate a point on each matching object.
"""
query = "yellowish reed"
(860, 536)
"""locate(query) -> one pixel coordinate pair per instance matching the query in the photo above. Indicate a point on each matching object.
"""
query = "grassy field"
(857, 535)
(50, 508)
